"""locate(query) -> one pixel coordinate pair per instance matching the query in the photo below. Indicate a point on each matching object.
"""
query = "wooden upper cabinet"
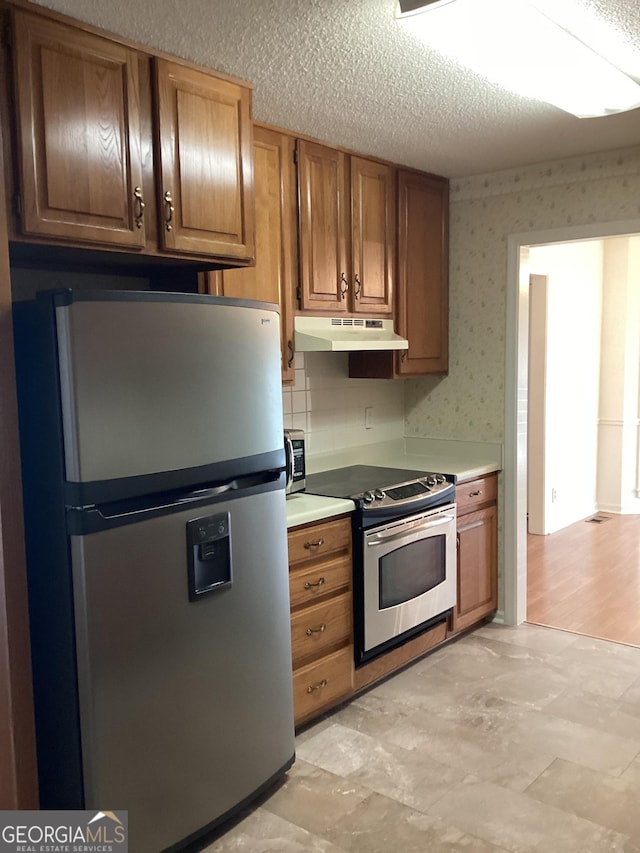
(323, 195)
(77, 101)
(423, 285)
(205, 175)
(373, 227)
(347, 231)
(272, 277)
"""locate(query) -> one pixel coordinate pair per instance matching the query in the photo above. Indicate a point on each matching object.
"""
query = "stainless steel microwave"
(295, 454)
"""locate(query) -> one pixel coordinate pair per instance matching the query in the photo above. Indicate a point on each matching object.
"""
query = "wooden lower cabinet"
(320, 569)
(323, 626)
(477, 533)
(321, 684)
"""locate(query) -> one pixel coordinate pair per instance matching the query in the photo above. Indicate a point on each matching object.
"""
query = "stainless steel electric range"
(404, 551)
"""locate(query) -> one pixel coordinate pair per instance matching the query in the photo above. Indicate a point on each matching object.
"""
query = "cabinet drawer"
(321, 627)
(319, 685)
(318, 581)
(482, 490)
(312, 542)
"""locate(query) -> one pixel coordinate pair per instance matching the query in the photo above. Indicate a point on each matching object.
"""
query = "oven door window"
(411, 570)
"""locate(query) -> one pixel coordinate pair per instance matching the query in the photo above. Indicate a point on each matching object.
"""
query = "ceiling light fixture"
(518, 46)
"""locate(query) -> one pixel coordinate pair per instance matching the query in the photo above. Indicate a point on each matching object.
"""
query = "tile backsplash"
(330, 407)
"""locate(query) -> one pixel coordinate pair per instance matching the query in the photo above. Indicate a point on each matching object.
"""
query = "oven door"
(409, 574)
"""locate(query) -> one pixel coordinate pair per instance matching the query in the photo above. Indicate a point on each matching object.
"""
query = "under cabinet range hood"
(346, 334)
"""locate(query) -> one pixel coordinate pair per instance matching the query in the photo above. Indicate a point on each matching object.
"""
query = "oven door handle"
(380, 538)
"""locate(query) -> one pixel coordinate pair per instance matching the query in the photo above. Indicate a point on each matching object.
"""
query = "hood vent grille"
(346, 321)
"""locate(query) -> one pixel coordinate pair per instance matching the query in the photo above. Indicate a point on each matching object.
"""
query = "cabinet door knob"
(319, 630)
(169, 211)
(357, 287)
(312, 584)
(475, 494)
(315, 544)
(292, 353)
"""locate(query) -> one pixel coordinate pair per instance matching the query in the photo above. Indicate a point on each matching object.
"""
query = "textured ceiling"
(345, 72)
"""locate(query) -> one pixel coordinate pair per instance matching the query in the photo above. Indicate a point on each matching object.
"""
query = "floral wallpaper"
(468, 404)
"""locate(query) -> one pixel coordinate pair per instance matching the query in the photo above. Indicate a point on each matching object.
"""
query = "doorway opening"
(582, 447)
(516, 400)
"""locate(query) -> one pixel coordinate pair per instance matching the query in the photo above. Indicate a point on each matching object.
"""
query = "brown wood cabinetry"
(477, 532)
(77, 101)
(323, 217)
(320, 570)
(347, 231)
(205, 162)
(422, 291)
(272, 277)
(87, 132)
(423, 263)
(373, 243)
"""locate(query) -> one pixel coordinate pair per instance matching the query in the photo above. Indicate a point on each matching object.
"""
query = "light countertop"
(466, 460)
(303, 508)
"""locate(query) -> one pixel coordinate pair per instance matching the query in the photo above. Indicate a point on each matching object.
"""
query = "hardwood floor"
(586, 578)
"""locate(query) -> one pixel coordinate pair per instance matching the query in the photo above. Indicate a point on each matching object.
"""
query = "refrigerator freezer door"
(151, 385)
(186, 706)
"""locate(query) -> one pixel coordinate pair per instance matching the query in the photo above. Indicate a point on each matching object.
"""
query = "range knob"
(440, 478)
(367, 497)
(379, 494)
(431, 481)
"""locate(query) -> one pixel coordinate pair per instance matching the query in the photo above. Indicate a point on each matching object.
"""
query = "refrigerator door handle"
(192, 497)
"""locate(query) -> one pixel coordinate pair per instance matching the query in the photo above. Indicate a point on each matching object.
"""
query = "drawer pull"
(315, 544)
(311, 584)
(317, 686)
(319, 630)
(475, 494)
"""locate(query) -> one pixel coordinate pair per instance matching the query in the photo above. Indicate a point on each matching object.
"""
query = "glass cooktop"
(356, 479)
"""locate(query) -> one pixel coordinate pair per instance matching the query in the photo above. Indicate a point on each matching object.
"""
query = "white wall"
(571, 378)
(331, 407)
(618, 457)
(536, 427)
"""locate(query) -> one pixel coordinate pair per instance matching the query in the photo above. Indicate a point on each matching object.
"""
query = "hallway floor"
(510, 739)
(586, 578)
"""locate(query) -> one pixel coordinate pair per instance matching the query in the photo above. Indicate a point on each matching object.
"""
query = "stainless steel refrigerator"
(152, 450)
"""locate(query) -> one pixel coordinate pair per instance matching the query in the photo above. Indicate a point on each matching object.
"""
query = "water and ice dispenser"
(209, 554)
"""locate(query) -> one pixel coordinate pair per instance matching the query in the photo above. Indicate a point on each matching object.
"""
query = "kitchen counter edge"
(303, 508)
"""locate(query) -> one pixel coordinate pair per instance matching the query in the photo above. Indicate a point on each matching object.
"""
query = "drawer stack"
(320, 568)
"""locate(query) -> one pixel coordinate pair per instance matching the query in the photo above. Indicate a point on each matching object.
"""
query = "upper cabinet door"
(323, 211)
(77, 99)
(205, 182)
(373, 229)
(272, 278)
(423, 262)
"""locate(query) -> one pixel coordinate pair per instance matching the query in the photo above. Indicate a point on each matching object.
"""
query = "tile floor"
(516, 739)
